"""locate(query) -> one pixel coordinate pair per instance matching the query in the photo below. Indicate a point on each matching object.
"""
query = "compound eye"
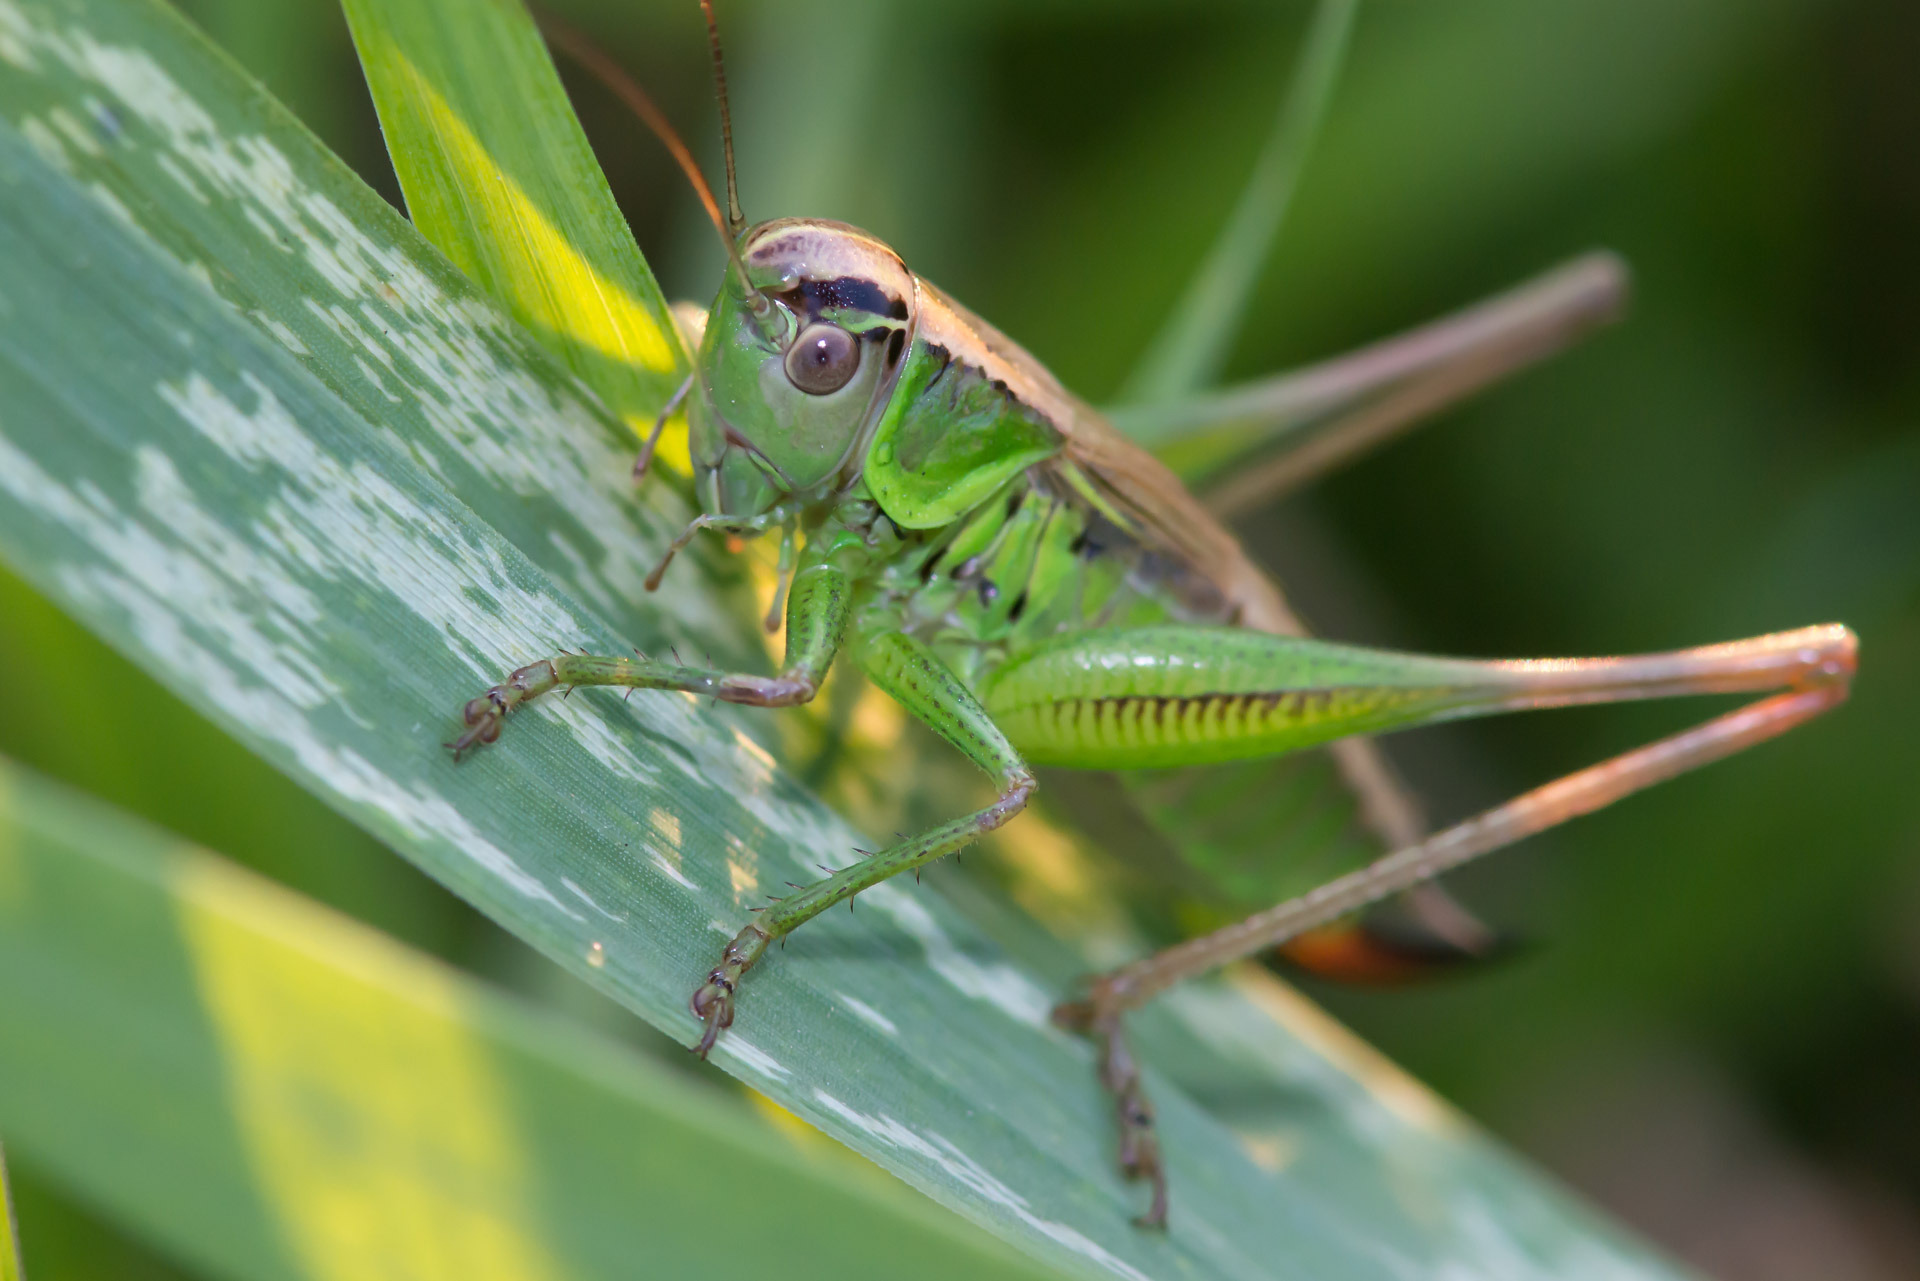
(822, 359)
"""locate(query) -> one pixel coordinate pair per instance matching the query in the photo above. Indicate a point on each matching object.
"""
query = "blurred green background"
(1714, 1026)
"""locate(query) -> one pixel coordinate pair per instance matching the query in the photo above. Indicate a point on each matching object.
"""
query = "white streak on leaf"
(173, 170)
(75, 132)
(43, 140)
(349, 522)
(596, 591)
(999, 984)
(940, 1151)
(573, 888)
(580, 894)
(15, 39)
(868, 1014)
(672, 873)
(464, 363)
(373, 379)
(472, 378)
(177, 597)
(751, 1057)
(281, 331)
(113, 204)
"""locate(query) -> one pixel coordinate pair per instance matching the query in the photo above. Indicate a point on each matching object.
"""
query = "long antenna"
(735, 219)
(609, 73)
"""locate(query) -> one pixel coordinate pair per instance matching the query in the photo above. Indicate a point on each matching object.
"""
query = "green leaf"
(269, 444)
(9, 1228)
(498, 174)
(198, 1039)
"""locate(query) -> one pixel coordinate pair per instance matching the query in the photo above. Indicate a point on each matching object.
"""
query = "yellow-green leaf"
(263, 1084)
(498, 174)
(9, 1228)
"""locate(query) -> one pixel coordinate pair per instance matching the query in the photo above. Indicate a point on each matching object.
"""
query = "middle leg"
(928, 688)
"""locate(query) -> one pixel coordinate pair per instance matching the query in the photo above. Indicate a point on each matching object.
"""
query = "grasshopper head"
(794, 374)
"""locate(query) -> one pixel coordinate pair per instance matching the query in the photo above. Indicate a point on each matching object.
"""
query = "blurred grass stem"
(1192, 346)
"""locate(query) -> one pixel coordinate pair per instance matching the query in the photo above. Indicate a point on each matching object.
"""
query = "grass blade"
(1261, 439)
(1192, 346)
(9, 1228)
(499, 175)
(283, 1081)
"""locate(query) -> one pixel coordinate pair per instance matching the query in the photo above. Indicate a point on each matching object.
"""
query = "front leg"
(927, 687)
(816, 621)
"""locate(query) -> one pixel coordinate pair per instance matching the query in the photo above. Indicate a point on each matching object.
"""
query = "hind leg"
(1155, 697)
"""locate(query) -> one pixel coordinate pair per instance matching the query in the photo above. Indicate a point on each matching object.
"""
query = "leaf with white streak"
(269, 444)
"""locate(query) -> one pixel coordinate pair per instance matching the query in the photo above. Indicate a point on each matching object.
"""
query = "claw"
(712, 1003)
(1139, 1153)
(485, 714)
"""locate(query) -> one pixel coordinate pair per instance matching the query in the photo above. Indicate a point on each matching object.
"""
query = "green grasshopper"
(1040, 590)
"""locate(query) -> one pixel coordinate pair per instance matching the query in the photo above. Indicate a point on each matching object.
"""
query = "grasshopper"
(1040, 590)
